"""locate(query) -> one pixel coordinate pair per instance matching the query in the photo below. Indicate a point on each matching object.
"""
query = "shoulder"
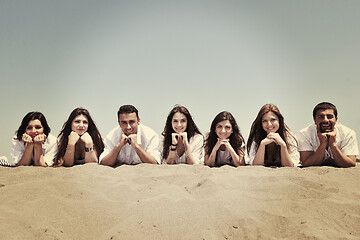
(309, 129)
(51, 139)
(343, 130)
(147, 131)
(114, 132)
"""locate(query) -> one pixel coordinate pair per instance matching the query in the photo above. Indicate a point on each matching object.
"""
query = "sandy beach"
(179, 202)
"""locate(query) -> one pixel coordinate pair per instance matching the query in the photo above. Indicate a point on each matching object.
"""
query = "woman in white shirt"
(224, 144)
(33, 143)
(271, 143)
(79, 140)
(182, 141)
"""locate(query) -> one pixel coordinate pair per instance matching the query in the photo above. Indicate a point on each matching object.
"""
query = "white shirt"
(294, 154)
(196, 145)
(49, 149)
(345, 140)
(147, 139)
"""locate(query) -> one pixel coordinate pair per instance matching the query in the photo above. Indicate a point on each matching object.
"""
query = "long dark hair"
(191, 128)
(236, 139)
(257, 132)
(66, 130)
(25, 122)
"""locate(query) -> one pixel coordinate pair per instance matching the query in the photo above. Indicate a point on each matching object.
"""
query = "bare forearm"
(144, 156)
(237, 157)
(189, 158)
(110, 159)
(316, 158)
(25, 160)
(91, 157)
(68, 159)
(210, 160)
(38, 155)
(260, 155)
(341, 159)
(171, 157)
(285, 157)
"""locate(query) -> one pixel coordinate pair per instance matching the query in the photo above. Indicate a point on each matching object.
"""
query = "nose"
(223, 130)
(128, 126)
(179, 124)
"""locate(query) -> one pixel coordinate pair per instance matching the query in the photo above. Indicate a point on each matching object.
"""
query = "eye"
(28, 128)
(85, 122)
(38, 127)
(330, 116)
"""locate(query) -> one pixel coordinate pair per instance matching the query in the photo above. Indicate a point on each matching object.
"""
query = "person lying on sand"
(224, 144)
(79, 140)
(181, 140)
(33, 144)
(327, 142)
(271, 142)
(130, 142)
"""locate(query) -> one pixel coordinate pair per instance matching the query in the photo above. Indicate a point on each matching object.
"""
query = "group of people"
(270, 142)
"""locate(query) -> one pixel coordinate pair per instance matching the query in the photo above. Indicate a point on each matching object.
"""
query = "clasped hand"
(131, 139)
(176, 137)
(74, 138)
(37, 138)
(328, 138)
(273, 138)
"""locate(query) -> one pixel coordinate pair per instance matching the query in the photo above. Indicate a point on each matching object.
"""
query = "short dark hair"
(324, 106)
(127, 109)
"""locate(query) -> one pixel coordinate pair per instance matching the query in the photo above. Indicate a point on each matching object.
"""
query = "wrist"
(89, 149)
(89, 145)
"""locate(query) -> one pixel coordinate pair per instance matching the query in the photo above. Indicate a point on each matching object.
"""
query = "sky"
(209, 56)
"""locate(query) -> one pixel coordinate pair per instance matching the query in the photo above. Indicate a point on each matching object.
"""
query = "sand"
(179, 202)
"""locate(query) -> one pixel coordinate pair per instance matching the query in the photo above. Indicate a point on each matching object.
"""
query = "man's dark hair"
(127, 109)
(324, 106)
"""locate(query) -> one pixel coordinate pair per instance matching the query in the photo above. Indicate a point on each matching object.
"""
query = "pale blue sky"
(207, 55)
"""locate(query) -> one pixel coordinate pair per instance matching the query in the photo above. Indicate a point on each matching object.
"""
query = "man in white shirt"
(130, 142)
(327, 142)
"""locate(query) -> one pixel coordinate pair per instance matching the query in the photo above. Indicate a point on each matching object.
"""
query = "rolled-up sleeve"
(17, 150)
(153, 147)
(198, 148)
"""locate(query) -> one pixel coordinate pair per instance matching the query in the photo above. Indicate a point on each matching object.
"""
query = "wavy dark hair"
(257, 132)
(191, 128)
(25, 122)
(66, 130)
(236, 139)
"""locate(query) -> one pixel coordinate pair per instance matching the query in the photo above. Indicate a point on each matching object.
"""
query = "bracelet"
(173, 149)
(90, 149)
(175, 145)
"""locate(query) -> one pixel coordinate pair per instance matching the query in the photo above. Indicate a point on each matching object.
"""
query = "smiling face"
(80, 124)
(129, 123)
(34, 128)
(325, 120)
(270, 122)
(179, 122)
(223, 129)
